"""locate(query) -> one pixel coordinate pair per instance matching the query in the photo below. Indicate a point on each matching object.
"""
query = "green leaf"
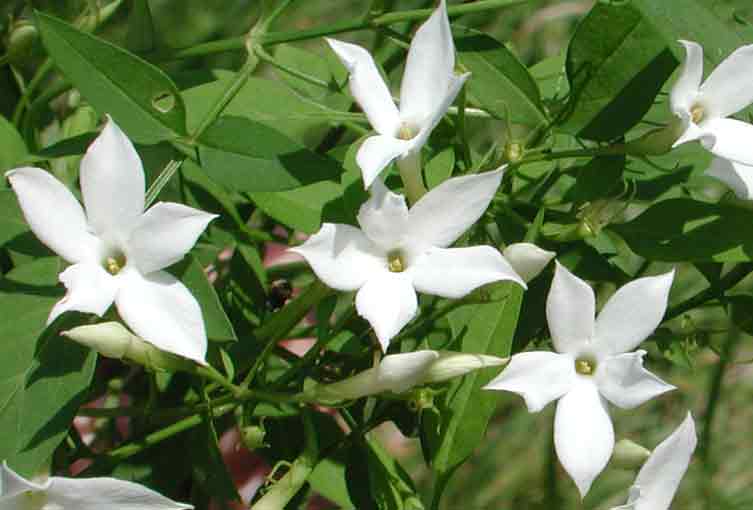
(273, 162)
(209, 470)
(377, 481)
(304, 208)
(267, 102)
(190, 272)
(683, 229)
(486, 328)
(12, 222)
(616, 65)
(43, 377)
(439, 168)
(13, 147)
(499, 82)
(328, 479)
(693, 21)
(599, 178)
(140, 97)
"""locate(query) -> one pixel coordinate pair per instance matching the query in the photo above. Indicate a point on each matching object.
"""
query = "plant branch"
(271, 38)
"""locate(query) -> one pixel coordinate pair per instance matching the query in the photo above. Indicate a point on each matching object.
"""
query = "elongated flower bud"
(455, 364)
(113, 340)
(398, 373)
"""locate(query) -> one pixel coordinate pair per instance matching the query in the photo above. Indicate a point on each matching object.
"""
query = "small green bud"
(421, 399)
(21, 41)
(514, 151)
(253, 437)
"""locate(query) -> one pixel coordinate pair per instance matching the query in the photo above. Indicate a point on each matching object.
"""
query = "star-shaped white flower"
(399, 251)
(117, 250)
(58, 493)
(593, 364)
(704, 108)
(660, 476)
(400, 372)
(428, 89)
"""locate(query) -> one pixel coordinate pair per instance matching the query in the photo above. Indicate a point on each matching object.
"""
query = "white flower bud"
(398, 373)
(455, 364)
(110, 339)
(527, 259)
(629, 455)
(113, 340)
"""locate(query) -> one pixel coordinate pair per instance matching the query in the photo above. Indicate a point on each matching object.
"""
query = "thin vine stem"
(365, 23)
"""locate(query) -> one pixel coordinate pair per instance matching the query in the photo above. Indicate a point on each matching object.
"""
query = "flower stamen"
(406, 132)
(585, 366)
(396, 262)
(697, 113)
(115, 263)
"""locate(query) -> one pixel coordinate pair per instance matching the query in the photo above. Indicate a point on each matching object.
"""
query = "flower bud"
(629, 455)
(110, 339)
(454, 364)
(113, 340)
(253, 437)
(21, 41)
(527, 259)
(514, 151)
(397, 373)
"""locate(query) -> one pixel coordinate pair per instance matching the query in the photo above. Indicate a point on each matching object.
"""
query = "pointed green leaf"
(140, 97)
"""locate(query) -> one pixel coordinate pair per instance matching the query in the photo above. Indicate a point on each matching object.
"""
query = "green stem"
(280, 494)
(269, 59)
(230, 92)
(271, 38)
(161, 181)
(714, 291)
(462, 133)
(282, 322)
(36, 80)
(610, 150)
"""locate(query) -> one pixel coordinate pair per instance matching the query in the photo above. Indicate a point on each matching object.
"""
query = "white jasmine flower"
(429, 87)
(399, 251)
(116, 249)
(58, 493)
(660, 476)
(400, 372)
(593, 364)
(704, 108)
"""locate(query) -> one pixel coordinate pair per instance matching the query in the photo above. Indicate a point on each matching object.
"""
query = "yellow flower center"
(585, 366)
(406, 131)
(396, 262)
(697, 113)
(115, 263)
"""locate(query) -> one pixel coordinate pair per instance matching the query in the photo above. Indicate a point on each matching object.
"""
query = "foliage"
(241, 109)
